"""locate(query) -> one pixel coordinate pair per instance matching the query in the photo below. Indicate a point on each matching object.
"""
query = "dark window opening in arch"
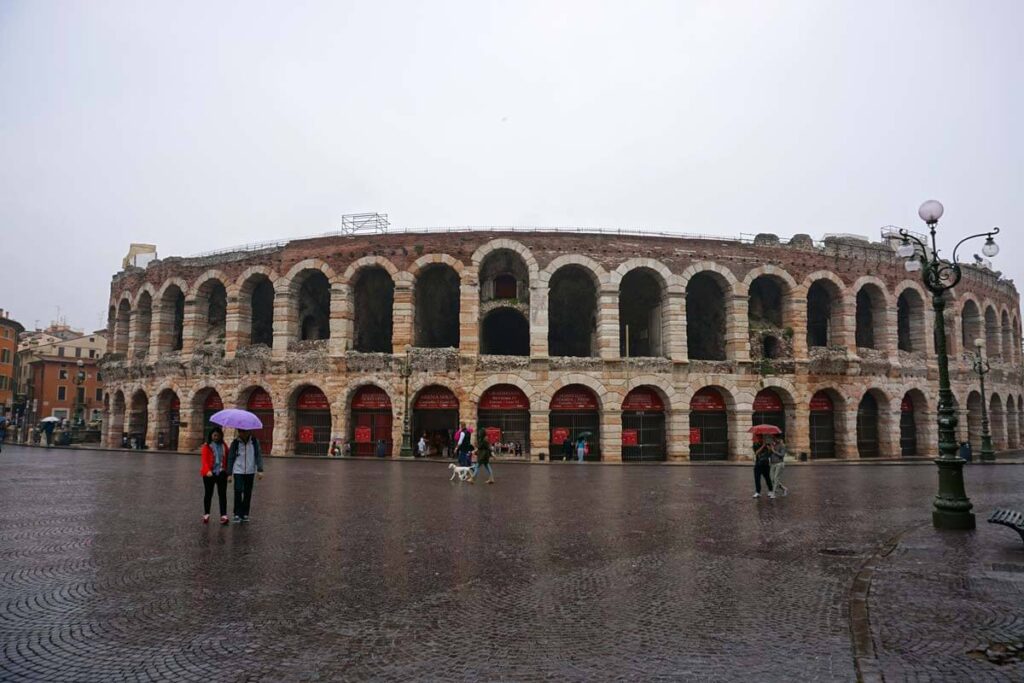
(314, 307)
(572, 316)
(865, 318)
(505, 332)
(214, 321)
(970, 325)
(904, 340)
(374, 303)
(262, 303)
(705, 318)
(908, 427)
(867, 427)
(640, 315)
(992, 334)
(178, 321)
(505, 286)
(437, 308)
(819, 315)
(504, 276)
(764, 303)
(121, 330)
(771, 347)
(143, 322)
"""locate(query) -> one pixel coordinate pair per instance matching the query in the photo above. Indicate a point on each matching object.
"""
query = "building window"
(92, 339)
(3, 382)
(5, 356)
(99, 377)
(60, 351)
(78, 352)
(99, 394)
(61, 413)
(80, 395)
(92, 353)
(97, 415)
(62, 393)
(62, 374)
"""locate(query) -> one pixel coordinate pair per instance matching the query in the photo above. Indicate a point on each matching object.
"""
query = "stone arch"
(352, 387)
(1012, 423)
(709, 324)
(1006, 336)
(307, 265)
(871, 312)
(137, 414)
(116, 424)
(169, 326)
(209, 299)
(823, 292)
(370, 297)
(574, 310)
(309, 294)
(427, 260)
(911, 322)
(236, 288)
(997, 418)
(874, 423)
(437, 301)
(669, 396)
(993, 340)
(594, 269)
(662, 273)
(493, 380)
(643, 309)
(920, 441)
(254, 291)
(122, 324)
(372, 261)
(603, 394)
(501, 243)
(504, 330)
(771, 312)
(972, 321)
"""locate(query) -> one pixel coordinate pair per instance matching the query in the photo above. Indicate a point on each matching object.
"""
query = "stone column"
(402, 314)
(539, 322)
(190, 328)
(285, 321)
(284, 433)
(343, 319)
(798, 437)
(469, 314)
(338, 342)
(846, 431)
(235, 321)
(740, 422)
(675, 329)
(153, 423)
(796, 317)
(611, 435)
(737, 329)
(540, 433)
(887, 340)
(115, 428)
(608, 323)
(889, 431)
(848, 315)
(677, 433)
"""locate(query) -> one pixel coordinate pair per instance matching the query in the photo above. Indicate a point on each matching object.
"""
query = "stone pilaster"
(402, 315)
(285, 322)
(339, 341)
(607, 323)
(540, 433)
(235, 322)
(677, 433)
(469, 314)
(737, 330)
(611, 435)
(675, 327)
(539, 321)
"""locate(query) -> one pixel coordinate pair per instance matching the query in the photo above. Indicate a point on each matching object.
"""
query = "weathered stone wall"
(233, 367)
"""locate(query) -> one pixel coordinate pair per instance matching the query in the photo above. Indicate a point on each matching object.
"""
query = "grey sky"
(198, 125)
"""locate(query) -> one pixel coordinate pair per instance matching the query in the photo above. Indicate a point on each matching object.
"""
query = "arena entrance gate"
(709, 426)
(574, 414)
(371, 421)
(503, 416)
(768, 410)
(643, 426)
(173, 424)
(822, 426)
(908, 427)
(867, 427)
(312, 422)
(435, 416)
(262, 406)
(211, 405)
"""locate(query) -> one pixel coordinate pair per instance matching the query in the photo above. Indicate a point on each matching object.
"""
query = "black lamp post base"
(954, 521)
(951, 508)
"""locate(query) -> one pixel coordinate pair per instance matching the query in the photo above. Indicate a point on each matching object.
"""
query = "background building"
(9, 331)
(650, 346)
(51, 379)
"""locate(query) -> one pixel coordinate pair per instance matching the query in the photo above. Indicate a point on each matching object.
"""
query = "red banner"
(259, 399)
(643, 398)
(363, 434)
(504, 397)
(907, 406)
(213, 402)
(694, 435)
(559, 434)
(371, 398)
(312, 398)
(707, 401)
(574, 398)
(821, 402)
(629, 437)
(305, 435)
(492, 434)
(436, 398)
(767, 401)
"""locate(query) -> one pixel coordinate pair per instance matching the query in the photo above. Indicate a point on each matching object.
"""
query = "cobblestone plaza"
(385, 570)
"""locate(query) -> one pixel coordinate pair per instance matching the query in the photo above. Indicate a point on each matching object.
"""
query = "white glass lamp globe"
(931, 211)
(905, 250)
(991, 248)
(913, 265)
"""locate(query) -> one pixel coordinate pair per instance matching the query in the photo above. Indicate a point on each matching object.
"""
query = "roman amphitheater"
(649, 346)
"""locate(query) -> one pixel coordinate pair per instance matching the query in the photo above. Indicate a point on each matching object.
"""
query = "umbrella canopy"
(764, 429)
(237, 418)
(50, 419)
(585, 435)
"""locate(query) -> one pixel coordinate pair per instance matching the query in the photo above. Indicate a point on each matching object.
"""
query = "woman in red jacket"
(214, 469)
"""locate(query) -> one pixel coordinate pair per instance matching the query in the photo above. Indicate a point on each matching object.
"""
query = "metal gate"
(262, 406)
(503, 416)
(573, 415)
(709, 426)
(649, 431)
(173, 426)
(822, 426)
(312, 423)
(908, 428)
(211, 405)
(435, 416)
(867, 428)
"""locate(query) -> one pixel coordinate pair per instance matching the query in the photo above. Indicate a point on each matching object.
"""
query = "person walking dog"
(483, 458)
(762, 467)
(245, 463)
(778, 460)
(214, 470)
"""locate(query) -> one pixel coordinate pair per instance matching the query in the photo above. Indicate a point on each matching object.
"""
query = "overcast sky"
(199, 125)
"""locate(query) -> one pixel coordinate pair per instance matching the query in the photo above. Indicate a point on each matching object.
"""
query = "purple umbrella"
(237, 418)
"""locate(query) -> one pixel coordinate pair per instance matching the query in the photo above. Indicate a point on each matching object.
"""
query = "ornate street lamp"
(405, 371)
(951, 508)
(79, 381)
(981, 367)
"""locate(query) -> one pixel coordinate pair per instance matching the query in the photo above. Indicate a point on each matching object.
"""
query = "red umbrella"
(764, 429)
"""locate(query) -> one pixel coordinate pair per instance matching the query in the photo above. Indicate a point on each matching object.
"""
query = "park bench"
(1010, 518)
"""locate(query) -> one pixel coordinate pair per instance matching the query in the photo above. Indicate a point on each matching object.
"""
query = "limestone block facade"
(654, 347)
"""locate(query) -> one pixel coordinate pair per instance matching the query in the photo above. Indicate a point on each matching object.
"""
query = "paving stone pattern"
(385, 570)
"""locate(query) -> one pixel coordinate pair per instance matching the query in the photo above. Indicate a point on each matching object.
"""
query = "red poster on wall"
(493, 434)
(629, 437)
(559, 434)
(306, 435)
(364, 434)
(694, 435)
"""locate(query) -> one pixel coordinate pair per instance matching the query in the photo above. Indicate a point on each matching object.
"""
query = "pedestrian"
(483, 459)
(778, 460)
(214, 470)
(3, 431)
(48, 428)
(464, 445)
(581, 449)
(245, 464)
(421, 446)
(762, 467)
(382, 448)
(335, 449)
(965, 451)
(566, 449)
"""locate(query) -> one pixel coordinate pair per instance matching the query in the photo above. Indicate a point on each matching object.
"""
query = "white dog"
(463, 473)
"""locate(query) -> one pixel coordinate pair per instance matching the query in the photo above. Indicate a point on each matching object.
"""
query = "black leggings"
(221, 480)
(762, 469)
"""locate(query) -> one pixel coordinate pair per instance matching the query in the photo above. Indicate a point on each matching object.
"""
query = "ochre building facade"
(648, 347)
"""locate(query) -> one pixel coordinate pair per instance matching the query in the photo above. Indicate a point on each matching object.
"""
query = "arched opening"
(373, 310)
(993, 346)
(1012, 432)
(504, 278)
(974, 421)
(572, 313)
(437, 307)
(709, 426)
(822, 313)
(640, 314)
(575, 416)
(822, 426)
(168, 414)
(705, 317)
(971, 328)
(867, 427)
(643, 426)
(312, 422)
(997, 422)
(124, 316)
(171, 314)
(910, 326)
(870, 317)
(260, 404)
(371, 421)
(313, 305)
(772, 347)
(205, 403)
(211, 307)
(503, 416)
(435, 417)
(908, 425)
(505, 332)
(768, 409)
(138, 419)
(1006, 334)
(117, 431)
(142, 321)
(256, 304)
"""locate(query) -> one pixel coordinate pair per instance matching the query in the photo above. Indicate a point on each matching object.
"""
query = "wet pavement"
(385, 570)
